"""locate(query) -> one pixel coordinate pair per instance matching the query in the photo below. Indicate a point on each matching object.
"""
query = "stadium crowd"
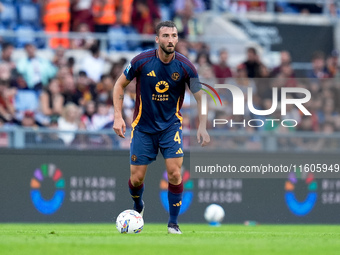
(128, 16)
(36, 92)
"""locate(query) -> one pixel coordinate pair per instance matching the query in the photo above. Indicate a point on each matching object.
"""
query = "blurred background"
(60, 60)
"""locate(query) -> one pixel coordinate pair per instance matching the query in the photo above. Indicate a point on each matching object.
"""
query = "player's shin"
(137, 195)
(175, 193)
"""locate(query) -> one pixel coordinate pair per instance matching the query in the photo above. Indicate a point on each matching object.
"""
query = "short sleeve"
(130, 71)
(193, 79)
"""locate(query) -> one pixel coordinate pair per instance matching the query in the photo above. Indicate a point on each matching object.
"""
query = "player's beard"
(167, 51)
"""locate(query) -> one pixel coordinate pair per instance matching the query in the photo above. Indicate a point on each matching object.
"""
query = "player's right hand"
(119, 127)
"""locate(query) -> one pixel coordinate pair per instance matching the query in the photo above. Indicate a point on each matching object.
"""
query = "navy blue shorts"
(144, 147)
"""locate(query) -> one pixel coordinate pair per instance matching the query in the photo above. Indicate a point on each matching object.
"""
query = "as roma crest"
(175, 76)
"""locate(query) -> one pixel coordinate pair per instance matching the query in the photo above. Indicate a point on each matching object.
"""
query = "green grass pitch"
(50, 239)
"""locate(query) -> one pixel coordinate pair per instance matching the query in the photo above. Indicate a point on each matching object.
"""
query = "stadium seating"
(28, 13)
(9, 15)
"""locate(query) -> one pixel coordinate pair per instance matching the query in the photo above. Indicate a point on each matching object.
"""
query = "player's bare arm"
(202, 127)
(119, 125)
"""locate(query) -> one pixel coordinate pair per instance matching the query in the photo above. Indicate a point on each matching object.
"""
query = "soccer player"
(161, 77)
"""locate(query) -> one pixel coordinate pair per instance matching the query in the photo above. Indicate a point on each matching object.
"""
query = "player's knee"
(136, 180)
(174, 177)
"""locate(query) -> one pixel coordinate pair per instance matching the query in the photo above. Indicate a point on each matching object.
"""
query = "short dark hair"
(252, 50)
(318, 55)
(28, 45)
(167, 23)
(94, 49)
(82, 73)
(6, 45)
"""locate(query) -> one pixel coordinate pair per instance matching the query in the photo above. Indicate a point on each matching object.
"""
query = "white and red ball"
(129, 222)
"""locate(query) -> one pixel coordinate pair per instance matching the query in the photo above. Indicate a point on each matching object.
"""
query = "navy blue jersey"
(160, 89)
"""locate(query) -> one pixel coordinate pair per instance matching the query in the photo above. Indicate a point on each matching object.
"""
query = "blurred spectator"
(94, 121)
(327, 143)
(286, 143)
(63, 72)
(183, 47)
(242, 81)
(6, 55)
(36, 70)
(319, 68)
(222, 70)
(252, 63)
(86, 118)
(104, 89)
(25, 100)
(52, 139)
(85, 89)
(284, 6)
(259, 6)
(124, 11)
(263, 83)
(186, 21)
(51, 100)
(86, 41)
(264, 71)
(90, 141)
(286, 76)
(5, 73)
(306, 124)
(307, 8)
(70, 64)
(333, 64)
(7, 109)
(333, 8)
(59, 58)
(202, 59)
(103, 117)
(327, 113)
(246, 6)
(117, 68)
(57, 17)
(285, 59)
(293, 112)
(241, 7)
(28, 122)
(4, 137)
(306, 143)
(69, 122)
(81, 14)
(93, 65)
(104, 14)
(69, 91)
(145, 16)
(206, 74)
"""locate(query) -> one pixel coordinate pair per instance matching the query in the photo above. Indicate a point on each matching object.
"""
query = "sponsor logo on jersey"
(162, 86)
(152, 73)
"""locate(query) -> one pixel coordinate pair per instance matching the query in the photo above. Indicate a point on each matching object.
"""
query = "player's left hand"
(202, 133)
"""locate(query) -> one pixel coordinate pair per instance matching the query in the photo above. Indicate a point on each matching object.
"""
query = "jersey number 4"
(177, 138)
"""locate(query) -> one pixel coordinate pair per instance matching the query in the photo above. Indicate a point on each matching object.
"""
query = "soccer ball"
(214, 214)
(129, 222)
